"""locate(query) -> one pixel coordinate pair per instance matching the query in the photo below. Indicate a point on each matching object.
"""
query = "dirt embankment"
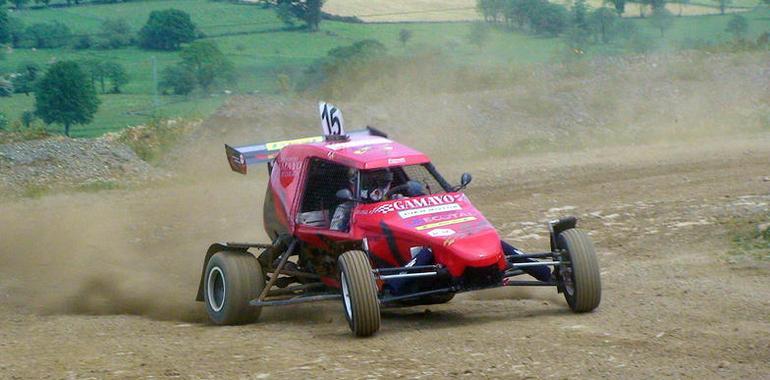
(34, 166)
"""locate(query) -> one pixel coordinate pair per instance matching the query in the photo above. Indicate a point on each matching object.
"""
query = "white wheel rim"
(216, 288)
(346, 295)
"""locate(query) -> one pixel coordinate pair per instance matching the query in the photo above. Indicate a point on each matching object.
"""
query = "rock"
(724, 364)
(762, 228)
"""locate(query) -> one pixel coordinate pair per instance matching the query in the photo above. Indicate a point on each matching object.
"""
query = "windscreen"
(375, 184)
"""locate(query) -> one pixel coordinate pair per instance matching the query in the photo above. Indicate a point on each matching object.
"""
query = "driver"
(377, 185)
(341, 218)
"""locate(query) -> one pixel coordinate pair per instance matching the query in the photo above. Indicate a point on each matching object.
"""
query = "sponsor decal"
(437, 218)
(288, 172)
(446, 223)
(362, 150)
(278, 145)
(395, 161)
(429, 210)
(449, 242)
(439, 232)
(412, 203)
(357, 143)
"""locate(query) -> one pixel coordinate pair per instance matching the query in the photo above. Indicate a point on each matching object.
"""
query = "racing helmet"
(378, 184)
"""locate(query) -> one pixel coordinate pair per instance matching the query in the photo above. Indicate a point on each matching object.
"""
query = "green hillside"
(261, 47)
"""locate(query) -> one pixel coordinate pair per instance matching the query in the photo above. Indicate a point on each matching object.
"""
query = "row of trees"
(165, 30)
(21, 4)
(110, 76)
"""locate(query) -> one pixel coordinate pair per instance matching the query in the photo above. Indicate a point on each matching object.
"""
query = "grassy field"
(463, 10)
(254, 39)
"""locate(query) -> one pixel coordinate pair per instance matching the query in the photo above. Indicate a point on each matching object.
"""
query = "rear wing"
(240, 157)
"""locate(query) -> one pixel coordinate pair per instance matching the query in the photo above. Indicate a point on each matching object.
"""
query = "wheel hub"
(216, 288)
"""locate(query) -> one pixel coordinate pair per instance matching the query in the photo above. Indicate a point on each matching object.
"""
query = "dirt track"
(100, 285)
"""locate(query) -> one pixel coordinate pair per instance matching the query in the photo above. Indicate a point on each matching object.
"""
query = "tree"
(308, 11)
(723, 4)
(207, 63)
(602, 20)
(738, 27)
(16, 31)
(681, 3)
(115, 33)
(19, 4)
(5, 26)
(48, 35)
(167, 30)
(94, 70)
(117, 75)
(662, 19)
(580, 14)
(620, 6)
(657, 4)
(179, 79)
(65, 96)
(404, 36)
(26, 75)
(550, 19)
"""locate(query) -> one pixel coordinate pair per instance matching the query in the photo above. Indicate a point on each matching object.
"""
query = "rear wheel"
(580, 281)
(232, 279)
(359, 293)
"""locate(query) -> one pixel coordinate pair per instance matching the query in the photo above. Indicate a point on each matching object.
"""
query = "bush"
(83, 42)
(341, 59)
(47, 35)
(6, 87)
(151, 141)
(26, 75)
(550, 19)
(167, 30)
(3, 121)
(738, 27)
(178, 79)
(16, 31)
(5, 32)
(116, 33)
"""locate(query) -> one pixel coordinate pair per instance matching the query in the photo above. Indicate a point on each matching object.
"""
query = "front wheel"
(580, 280)
(232, 279)
(359, 293)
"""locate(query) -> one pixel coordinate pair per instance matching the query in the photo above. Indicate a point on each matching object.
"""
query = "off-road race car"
(363, 219)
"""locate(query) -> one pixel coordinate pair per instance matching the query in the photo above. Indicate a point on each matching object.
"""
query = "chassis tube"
(408, 275)
(536, 263)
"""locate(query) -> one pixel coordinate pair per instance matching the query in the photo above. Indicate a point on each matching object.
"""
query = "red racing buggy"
(363, 219)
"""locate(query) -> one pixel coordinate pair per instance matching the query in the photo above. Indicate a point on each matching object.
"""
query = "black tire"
(359, 293)
(232, 279)
(581, 282)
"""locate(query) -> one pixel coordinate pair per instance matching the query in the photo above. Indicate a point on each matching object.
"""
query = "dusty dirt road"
(101, 285)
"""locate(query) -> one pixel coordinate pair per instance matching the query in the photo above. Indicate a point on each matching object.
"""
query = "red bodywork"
(457, 233)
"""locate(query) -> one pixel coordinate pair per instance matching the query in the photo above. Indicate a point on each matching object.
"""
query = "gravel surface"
(64, 162)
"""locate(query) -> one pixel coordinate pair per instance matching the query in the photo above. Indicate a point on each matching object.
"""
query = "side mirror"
(345, 195)
(465, 179)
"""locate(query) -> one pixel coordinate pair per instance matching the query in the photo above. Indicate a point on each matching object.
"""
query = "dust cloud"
(120, 252)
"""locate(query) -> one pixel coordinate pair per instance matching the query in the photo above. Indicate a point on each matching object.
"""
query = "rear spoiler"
(240, 157)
